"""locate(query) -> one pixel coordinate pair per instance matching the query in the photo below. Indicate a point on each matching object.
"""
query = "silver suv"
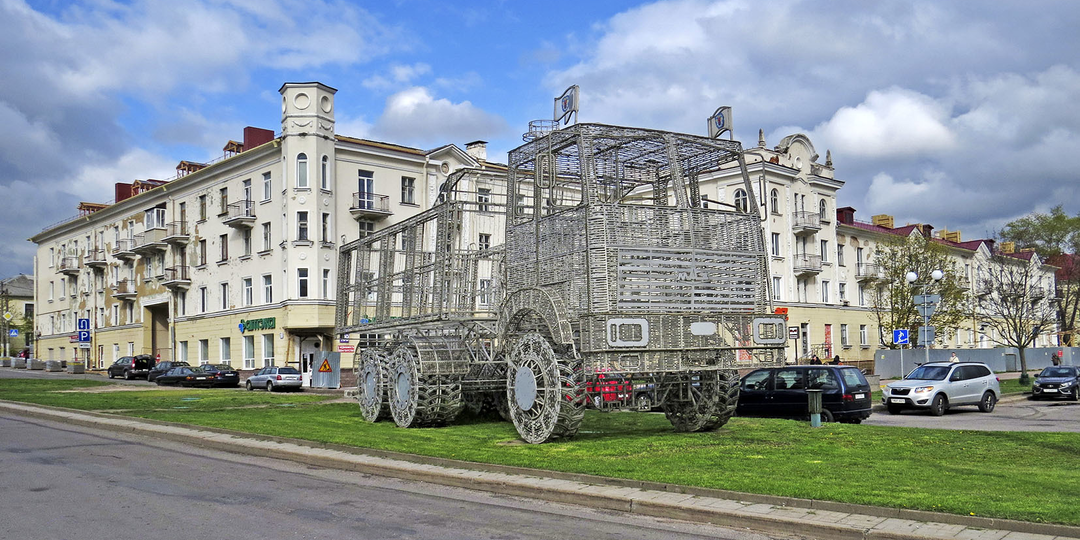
(937, 386)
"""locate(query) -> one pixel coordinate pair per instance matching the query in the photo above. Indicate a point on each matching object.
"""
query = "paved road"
(65, 482)
(1024, 415)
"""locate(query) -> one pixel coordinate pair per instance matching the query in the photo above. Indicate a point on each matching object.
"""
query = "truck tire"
(416, 399)
(371, 385)
(545, 390)
(702, 401)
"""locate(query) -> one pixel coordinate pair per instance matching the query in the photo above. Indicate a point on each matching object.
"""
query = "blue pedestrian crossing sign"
(900, 337)
(14, 332)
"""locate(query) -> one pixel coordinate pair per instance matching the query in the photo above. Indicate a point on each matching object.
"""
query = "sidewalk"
(816, 519)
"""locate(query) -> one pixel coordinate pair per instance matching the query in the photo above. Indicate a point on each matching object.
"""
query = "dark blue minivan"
(781, 393)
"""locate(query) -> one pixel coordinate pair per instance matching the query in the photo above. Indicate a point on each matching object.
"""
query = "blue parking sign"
(900, 337)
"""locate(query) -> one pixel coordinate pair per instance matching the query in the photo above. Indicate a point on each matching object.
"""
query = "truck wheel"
(371, 385)
(702, 401)
(545, 393)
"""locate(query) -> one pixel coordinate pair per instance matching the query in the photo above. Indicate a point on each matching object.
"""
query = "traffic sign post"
(900, 337)
(793, 334)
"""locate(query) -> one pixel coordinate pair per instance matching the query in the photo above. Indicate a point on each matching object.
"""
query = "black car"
(185, 376)
(161, 368)
(1057, 381)
(224, 374)
(781, 393)
(130, 367)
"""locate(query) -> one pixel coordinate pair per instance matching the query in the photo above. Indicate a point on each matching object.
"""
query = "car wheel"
(938, 406)
(269, 386)
(248, 386)
(1076, 394)
(893, 409)
(158, 381)
(827, 416)
(127, 375)
(1034, 398)
(986, 404)
(111, 376)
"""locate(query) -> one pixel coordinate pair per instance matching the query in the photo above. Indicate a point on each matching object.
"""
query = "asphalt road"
(1024, 415)
(66, 482)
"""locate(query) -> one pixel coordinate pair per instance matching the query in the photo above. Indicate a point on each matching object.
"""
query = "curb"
(1007, 398)
(719, 507)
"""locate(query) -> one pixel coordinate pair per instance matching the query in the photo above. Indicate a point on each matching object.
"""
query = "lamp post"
(927, 304)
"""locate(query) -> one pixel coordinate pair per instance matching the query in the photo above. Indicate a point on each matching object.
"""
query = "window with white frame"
(181, 298)
(325, 228)
(824, 251)
(204, 305)
(842, 291)
(326, 284)
(268, 188)
(822, 209)
(825, 292)
(226, 349)
(774, 201)
(245, 238)
(840, 254)
(181, 352)
(131, 348)
(408, 190)
(485, 292)
(776, 244)
(248, 293)
(268, 350)
(204, 351)
(155, 218)
(483, 199)
(301, 226)
(864, 339)
(115, 320)
(862, 295)
(302, 282)
(223, 200)
(268, 288)
(301, 171)
(741, 200)
(249, 352)
(365, 228)
(131, 312)
(266, 240)
(776, 288)
(224, 289)
(324, 173)
(115, 351)
(844, 336)
(223, 240)
(484, 241)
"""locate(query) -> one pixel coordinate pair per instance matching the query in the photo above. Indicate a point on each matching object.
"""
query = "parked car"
(939, 386)
(162, 367)
(224, 374)
(1057, 381)
(272, 378)
(130, 367)
(185, 376)
(781, 393)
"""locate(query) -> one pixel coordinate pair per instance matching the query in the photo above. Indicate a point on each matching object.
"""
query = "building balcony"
(807, 264)
(1037, 293)
(868, 272)
(123, 249)
(177, 277)
(69, 266)
(240, 214)
(125, 289)
(370, 206)
(151, 241)
(177, 233)
(95, 259)
(805, 222)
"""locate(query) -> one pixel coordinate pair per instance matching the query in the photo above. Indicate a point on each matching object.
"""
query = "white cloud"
(416, 117)
(890, 123)
(397, 76)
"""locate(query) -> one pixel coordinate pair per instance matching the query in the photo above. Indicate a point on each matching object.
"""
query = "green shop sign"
(250, 325)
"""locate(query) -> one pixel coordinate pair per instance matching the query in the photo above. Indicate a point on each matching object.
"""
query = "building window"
(326, 284)
(483, 199)
(245, 237)
(776, 288)
(862, 295)
(115, 320)
(485, 241)
(226, 353)
(202, 207)
(863, 338)
(301, 226)
(741, 200)
(325, 228)
(249, 352)
(52, 257)
(325, 172)
(844, 336)
(181, 298)
(485, 292)
(223, 240)
(776, 244)
(266, 240)
(224, 296)
(825, 292)
(131, 348)
(268, 289)
(408, 187)
(268, 350)
(223, 195)
(52, 290)
(181, 352)
(840, 254)
(268, 187)
(774, 201)
(824, 251)
(248, 292)
(131, 313)
(302, 282)
(202, 252)
(821, 210)
(203, 305)
(301, 171)
(842, 291)
(365, 228)
(204, 351)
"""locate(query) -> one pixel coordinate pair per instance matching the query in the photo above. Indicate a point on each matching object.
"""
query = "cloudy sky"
(961, 114)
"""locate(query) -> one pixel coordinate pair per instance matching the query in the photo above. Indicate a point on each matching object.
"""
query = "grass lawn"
(63, 393)
(1013, 386)
(1016, 475)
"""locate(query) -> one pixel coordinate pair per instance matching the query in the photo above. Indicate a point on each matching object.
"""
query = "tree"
(1056, 238)
(893, 302)
(1011, 301)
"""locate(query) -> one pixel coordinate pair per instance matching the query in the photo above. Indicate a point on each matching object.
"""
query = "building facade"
(16, 315)
(234, 261)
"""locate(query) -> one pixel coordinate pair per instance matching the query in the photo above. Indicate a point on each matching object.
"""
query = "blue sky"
(960, 114)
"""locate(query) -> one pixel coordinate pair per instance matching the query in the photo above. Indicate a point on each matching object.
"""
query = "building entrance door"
(309, 352)
(159, 332)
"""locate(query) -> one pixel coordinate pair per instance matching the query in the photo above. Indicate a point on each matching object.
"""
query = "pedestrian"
(814, 360)
(953, 358)
(835, 360)
(1055, 359)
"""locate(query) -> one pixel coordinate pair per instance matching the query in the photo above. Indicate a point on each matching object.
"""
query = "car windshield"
(288, 371)
(1058, 372)
(929, 373)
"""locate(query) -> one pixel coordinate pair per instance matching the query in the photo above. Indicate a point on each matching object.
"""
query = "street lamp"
(927, 306)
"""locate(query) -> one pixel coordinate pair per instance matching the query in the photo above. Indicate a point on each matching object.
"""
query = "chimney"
(254, 136)
(1008, 247)
(882, 220)
(477, 149)
(845, 215)
(123, 191)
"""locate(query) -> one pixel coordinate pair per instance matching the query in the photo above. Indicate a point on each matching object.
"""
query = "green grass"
(58, 394)
(1013, 386)
(1016, 475)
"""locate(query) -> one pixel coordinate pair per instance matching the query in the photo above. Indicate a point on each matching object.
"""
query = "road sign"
(84, 345)
(900, 337)
(325, 367)
(14, 332)
(344, 338)
(8, 316)
(927, 298)
(84, 336)
(926, 310)
(793, 332)
(926, 335)
(84, 324)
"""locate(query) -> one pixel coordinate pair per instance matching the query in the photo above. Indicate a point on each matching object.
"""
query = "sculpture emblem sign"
(250, 325)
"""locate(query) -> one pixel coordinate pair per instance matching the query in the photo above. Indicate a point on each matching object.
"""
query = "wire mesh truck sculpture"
(614, 288)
